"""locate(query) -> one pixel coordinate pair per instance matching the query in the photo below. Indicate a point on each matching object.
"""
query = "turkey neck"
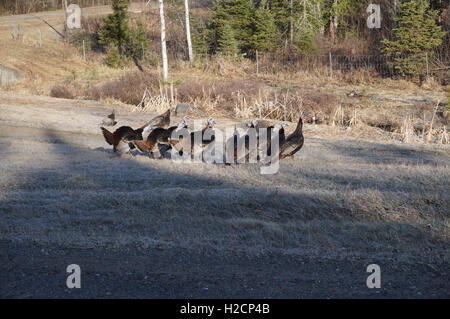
(299, 128)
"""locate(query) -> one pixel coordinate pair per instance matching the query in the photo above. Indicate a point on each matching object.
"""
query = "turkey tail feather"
(141, 146)
(109, 137)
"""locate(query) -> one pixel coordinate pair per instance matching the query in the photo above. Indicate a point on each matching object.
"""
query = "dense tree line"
(409, 28)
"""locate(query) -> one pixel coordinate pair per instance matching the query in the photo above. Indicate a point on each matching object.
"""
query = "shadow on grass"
(97, 200)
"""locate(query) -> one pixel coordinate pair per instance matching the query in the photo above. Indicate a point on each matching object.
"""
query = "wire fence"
(272, 63)
(381, 65)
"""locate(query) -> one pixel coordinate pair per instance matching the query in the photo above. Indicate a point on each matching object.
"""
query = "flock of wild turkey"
(161, 134)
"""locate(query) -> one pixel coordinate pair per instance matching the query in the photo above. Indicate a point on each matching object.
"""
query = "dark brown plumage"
(123, 133)
(294, 142)
(281, 137)
(162, 120)
(244, 141)
(158, 135)
(253, 133)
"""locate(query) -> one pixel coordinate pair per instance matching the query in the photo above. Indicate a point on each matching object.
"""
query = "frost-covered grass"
(338, 197)
(324, 201)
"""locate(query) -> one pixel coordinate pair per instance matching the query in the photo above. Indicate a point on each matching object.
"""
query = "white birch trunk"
(188, 31)
(163, 41)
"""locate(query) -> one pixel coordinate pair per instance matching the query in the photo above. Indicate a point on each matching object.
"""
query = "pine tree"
(281, 12)
(138, 42)
(241, 19)
(215, 26)
(113, 58)
(115, 28)
(416, 35)
(238, 15)
(265, 35)
(226, 42)
(298, 21)
(199, 37)
(305, 42)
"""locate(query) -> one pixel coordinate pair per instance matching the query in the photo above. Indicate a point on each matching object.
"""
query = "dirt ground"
(38, 271)
(144, 227)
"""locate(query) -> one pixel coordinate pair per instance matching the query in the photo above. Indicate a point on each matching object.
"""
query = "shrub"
(128, 89)
(61, 91)
(114, 59)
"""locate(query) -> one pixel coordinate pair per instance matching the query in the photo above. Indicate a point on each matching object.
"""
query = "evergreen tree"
(265, 36)
(216, 26)
(115, 28)
(298, 21)
(113, 58)
(305, 40)
(281, 12)
(138, 42)
(416, 35)
(199, 37)
(226, 42)
(241, 19)
(238, 15)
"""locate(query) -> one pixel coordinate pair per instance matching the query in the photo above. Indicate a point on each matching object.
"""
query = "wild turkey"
(294, 142)
(180, 144)
(123, 134)
(165, 135)
(162, 120)
(233, 143)
(237, 142)
(244, 140)
(240, 144)
(281, 136)
(252, 124)
(109, 120)
(158, 135)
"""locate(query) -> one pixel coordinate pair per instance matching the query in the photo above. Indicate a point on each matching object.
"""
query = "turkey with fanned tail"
(123, 134)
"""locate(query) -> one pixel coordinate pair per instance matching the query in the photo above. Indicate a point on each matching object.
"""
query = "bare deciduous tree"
(163, 41)
(188, 31)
